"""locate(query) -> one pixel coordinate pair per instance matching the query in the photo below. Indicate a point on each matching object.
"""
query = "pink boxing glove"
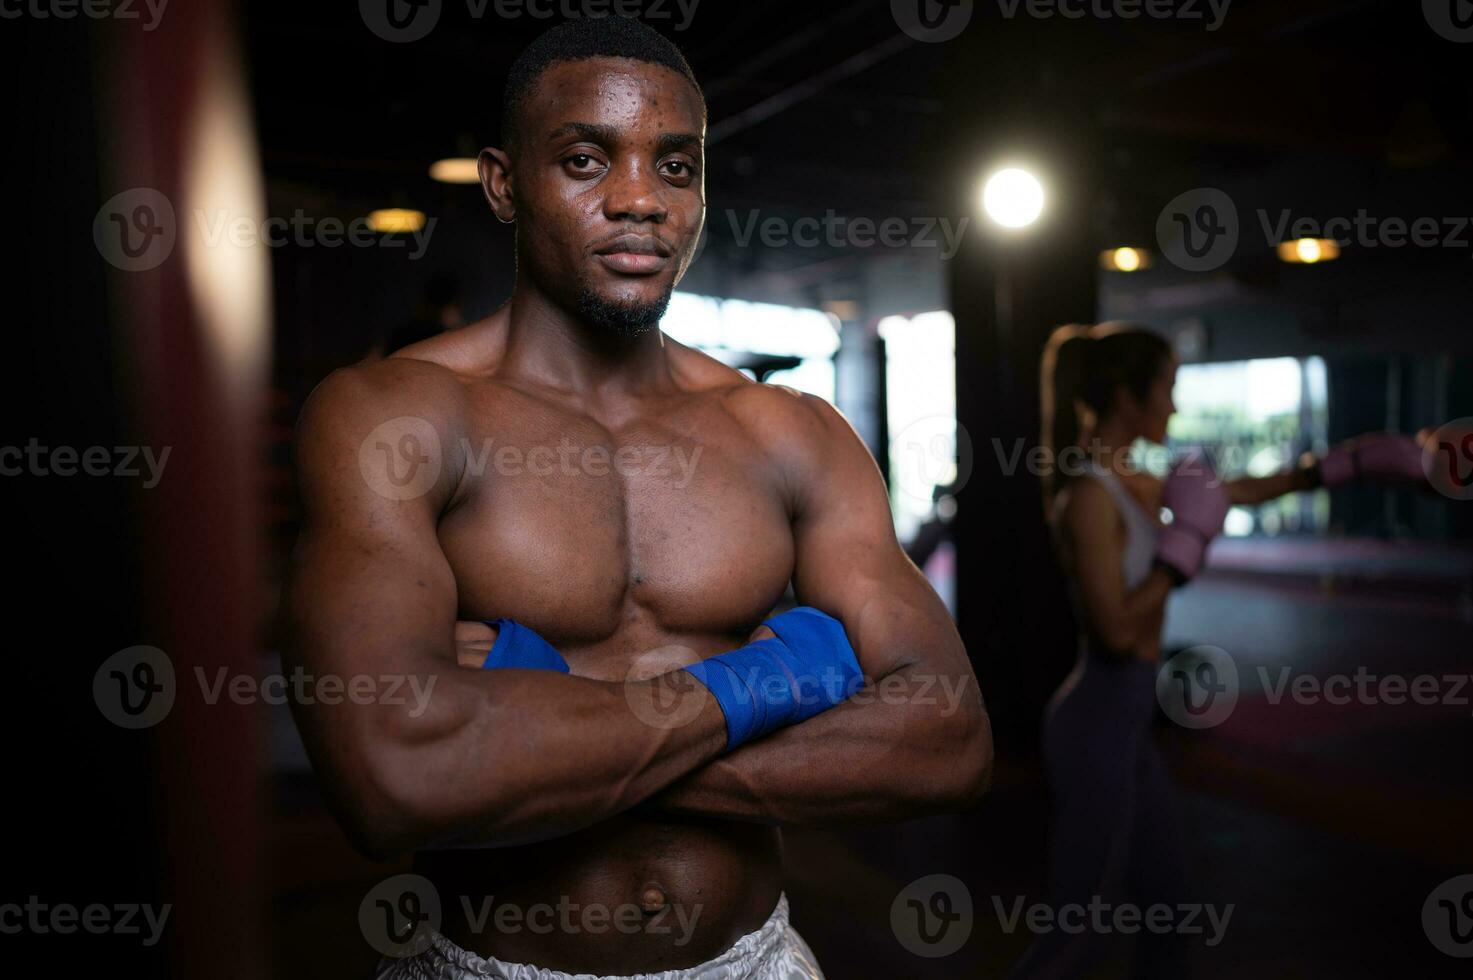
(1381, 458)
(1198, 503)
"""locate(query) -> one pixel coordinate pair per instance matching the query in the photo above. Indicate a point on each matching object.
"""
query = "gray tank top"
(1140, 530)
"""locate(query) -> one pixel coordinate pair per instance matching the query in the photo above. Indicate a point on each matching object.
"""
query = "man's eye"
(681, 168)
(582, 163)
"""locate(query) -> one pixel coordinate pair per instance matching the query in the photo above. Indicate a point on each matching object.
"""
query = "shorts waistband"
(444, 960)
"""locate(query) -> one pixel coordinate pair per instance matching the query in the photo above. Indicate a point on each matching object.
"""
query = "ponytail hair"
(1082, 368)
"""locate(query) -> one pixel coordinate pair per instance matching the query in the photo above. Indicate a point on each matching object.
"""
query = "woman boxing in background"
(1117, 837)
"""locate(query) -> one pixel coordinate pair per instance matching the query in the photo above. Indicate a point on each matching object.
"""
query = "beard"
(622, 319)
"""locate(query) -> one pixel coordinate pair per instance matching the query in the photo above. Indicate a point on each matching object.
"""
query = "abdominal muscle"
(641, 892)
(635, 894)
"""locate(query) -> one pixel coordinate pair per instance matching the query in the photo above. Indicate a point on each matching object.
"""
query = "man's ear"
(494, 167)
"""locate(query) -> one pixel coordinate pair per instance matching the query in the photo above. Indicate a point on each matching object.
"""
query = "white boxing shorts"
(773, 952)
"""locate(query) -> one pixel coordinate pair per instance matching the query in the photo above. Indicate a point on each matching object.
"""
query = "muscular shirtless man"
(510, 472)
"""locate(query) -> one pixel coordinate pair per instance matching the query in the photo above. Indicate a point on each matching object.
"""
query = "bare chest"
(666, 526)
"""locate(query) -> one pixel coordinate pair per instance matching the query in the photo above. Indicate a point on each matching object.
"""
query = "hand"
(472, 642)
(801, 666)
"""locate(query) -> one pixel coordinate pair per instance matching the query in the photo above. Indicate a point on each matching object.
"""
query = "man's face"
(609, 185)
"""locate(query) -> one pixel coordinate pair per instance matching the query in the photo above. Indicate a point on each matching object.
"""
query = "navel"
(653, 899)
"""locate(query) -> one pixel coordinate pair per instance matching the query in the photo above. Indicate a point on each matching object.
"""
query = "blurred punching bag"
(189, 317)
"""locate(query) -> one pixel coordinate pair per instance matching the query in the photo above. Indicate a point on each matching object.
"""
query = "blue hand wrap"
(807, 669)
(518, 646)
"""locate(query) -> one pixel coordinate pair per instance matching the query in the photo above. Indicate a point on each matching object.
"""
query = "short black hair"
(576, 40)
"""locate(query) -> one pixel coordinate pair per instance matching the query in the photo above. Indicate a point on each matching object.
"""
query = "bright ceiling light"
(1013, 198)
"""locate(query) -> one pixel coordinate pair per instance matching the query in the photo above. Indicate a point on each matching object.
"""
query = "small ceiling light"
(1125, 259)
(1309, 251)
(455, 170)
(396, 220)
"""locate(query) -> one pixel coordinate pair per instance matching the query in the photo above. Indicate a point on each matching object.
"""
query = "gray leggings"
(1117, 832)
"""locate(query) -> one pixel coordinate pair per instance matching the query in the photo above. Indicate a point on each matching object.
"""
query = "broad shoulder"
(807, 439)
(353, 401)
(425, 380)
(776, 416)
(793, 425)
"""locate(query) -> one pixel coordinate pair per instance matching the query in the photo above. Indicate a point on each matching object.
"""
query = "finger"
(469, 632)
(473, 659)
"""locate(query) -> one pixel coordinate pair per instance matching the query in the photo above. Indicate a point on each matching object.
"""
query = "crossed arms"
(511, 756)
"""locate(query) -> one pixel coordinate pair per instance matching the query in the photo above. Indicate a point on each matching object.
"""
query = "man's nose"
(635, 193)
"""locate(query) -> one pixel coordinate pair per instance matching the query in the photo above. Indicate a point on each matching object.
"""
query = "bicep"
(369, 584)
(369, 600)
(850, 564)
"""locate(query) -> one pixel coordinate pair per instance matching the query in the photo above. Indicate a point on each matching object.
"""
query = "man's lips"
(634, 264)
(634, 254)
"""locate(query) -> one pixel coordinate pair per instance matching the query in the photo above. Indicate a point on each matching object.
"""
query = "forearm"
(505, 757)
(909, 744)
(1248, 491)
